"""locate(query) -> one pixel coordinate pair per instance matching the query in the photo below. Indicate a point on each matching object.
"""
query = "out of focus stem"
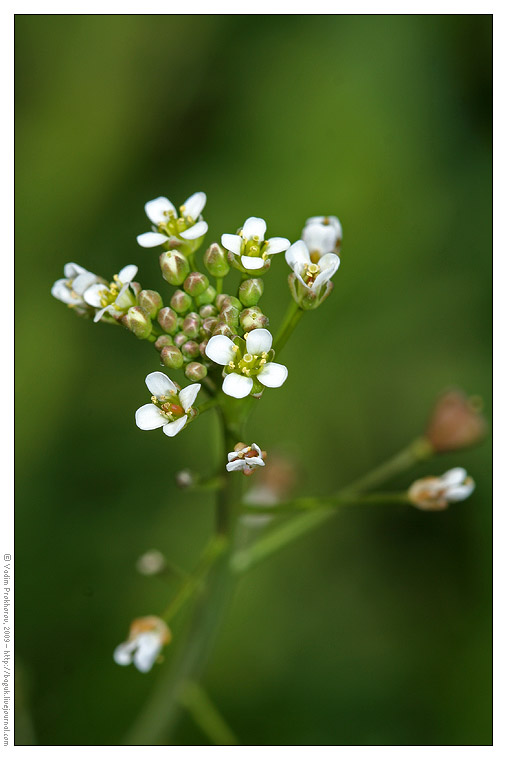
(291, 319)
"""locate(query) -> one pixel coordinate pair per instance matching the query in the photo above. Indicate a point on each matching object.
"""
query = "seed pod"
(195, 284)
(215, 261)
(250, 291)
(171, 357)
(138, 321)
(174, 266)
(168, 320)
(181, 302)
(195, 371)
(151, 301)
(251, 319)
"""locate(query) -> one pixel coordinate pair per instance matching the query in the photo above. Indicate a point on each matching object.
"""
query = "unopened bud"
(195, 371)
(223, 329)
(138, 321)
(174, 266)
(250, 291)
(151, 301)
(151, 563)
(230, 301)
(195, 284)
(190, 349)
(181, 302)
(208, 311)
(208, 297)
(163, 340)
(202, 348)
(172, 357)
(192, 325)
(215, 261)
(456, 422)
(186, 478)
(180, 338)
(230, 315)
(209, 325)
(251, 319)
(168, 320)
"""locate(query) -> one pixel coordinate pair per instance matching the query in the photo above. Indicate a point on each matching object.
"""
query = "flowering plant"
(218, 339)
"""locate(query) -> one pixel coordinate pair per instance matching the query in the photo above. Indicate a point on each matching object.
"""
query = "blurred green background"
(376, 630)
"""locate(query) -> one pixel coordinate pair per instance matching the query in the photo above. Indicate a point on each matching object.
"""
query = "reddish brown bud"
(456, 422)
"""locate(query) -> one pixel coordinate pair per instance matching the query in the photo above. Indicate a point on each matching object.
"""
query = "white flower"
(247, 364)
(168, 226)
(146, 638)
(312, 275)
(151, 562)
(322, 234)
(438, 492)
(170, 409)
(249, 244)
(115, 298)
(71, 288)
(245, 458)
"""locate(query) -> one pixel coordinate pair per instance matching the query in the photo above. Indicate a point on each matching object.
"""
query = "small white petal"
(298, 254)
(454, 477)
(148, 649)
(194, 205)
(122, 655)
(254, 227)
(106, 310)
(128, 273)
(459, 493)
(320, 237)
(232, 243)
(151, 239)
(237, 386)
(273, 375)
(159, 384)
(257, 449)
(61, 291)
(276, 245)
(188, 395)
(72, 270)
(220, 349)
(93, 295)
(173, 428)
(149, 417)
(82, 282)
(155, 209)
(259, 340)
(237, 464)
(252, 262)
(255, 462)
(329, 263)
(196, 231)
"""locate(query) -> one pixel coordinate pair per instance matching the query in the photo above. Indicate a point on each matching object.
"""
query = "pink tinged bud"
(138, 321)
(180, 338)
(192, 325)
(190, 349)
(230, 315)
(202, 348)
(174, 266)
(196, 284)
(215, 261)
(223, 329)
(231, 301)
(208, 297)
(195, 371)
(168, 320)
(209, 325)
(456, 422)
(208, 311)
(251, 319)
(162, 341)
(250, 291)
(151, 301)
(181, 302)
(171, 357)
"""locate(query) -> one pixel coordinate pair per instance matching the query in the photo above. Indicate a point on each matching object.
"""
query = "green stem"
(206, 715)
(313, 503)
(212, 402)
(292, 317)
(219, 281)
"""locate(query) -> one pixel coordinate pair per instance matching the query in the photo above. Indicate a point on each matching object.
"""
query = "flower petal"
(194, 205)
(147, 651)
(259, 340)
(72, 270)
(93, 294)
(196, 231)
(273, 375)
(454, 477)
(106, 310)
(188, 395)
(159, 384)
(82, 282)
(320, 237)
(122, 655)
(149, 417)
(62, 291)
(328, 264)
(173, 428)
(128, 273)
(151, 239)
(254, 227)
(237, 386)
(157, 208)
(252, 262)
(276, 245)
(237, 464)
(297, 254)
(459, 493)
(220, 349)
(232, 243)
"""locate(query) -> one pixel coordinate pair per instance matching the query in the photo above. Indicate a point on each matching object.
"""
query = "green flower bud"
(163, 340)
(151, 301)
(209, 325)
(174, 266)
(138, 321)
(207, 297)
(251, 319)
(230, 315)
(250, 291)
(172, 357)
(202, 348)
(215, 261)
(223, 329)
(208, 311)
(190, 349)
(192, 325)
(195, 371)
(181, 302)
(168, 320)
(230, 301)
(195, 284)
(180, 339)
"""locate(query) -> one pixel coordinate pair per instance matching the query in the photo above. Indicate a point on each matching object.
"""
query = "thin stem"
(219, 281)
(206, 715)
(212, 402)
(313, 503)
(291, 319)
